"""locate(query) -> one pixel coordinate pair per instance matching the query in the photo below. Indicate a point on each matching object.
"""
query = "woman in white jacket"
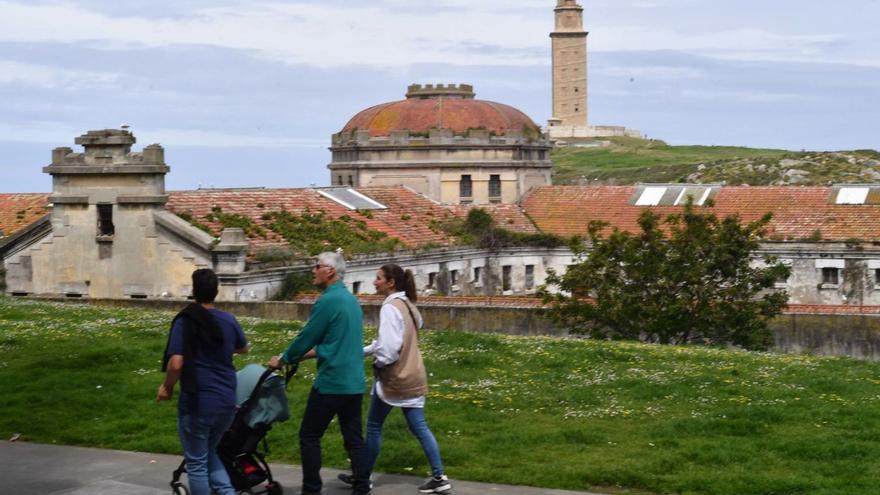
(400, 377)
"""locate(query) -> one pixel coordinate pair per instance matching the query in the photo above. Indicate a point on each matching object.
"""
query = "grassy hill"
(631, 160)
(614, 417)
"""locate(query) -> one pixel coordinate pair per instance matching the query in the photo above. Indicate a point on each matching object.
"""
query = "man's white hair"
(335, 260)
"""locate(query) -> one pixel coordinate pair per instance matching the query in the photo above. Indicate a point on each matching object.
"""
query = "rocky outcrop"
(808, 168)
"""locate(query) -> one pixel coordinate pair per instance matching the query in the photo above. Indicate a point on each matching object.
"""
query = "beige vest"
(406, 377)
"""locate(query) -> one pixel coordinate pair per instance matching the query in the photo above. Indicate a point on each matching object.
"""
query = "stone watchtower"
(569, 66)
(108, 234)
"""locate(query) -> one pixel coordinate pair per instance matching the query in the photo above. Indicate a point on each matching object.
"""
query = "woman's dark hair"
(403, 280)
(204, 285)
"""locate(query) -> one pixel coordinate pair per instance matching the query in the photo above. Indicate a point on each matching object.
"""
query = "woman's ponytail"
(410, 286)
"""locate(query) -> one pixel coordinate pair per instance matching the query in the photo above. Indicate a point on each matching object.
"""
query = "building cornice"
(567, 34)
(125, 169)
(368, 165)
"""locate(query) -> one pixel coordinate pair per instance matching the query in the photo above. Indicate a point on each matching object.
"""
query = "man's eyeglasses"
(318, 266)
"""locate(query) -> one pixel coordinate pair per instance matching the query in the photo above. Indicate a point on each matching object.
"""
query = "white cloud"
(741, 44)
(384, 33)
(47, 77)
(192, 137)
(315, 34)
(62, 134)
(750, 96)
(649, 71)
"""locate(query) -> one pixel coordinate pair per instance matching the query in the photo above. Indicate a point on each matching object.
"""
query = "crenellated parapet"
(426, 91)
(107, 151)
(107, 171)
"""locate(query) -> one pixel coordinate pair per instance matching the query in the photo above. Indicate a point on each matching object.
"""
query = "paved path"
(32, 469)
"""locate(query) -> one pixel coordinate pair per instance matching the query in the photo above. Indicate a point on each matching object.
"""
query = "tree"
(686, 279)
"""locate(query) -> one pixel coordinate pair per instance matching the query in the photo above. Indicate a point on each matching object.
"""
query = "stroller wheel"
(274, 488)
(179, 489)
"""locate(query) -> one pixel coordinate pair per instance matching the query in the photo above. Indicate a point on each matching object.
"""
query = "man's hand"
(275, 363)
(164, 393)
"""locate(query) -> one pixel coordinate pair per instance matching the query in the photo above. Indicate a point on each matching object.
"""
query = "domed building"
(445, 144)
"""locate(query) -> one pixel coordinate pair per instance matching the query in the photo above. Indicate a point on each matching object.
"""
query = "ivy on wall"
(235, 220)
(314, 232)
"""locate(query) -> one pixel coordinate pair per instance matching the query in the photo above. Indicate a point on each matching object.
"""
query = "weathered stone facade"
(444, 144)
(108, 234)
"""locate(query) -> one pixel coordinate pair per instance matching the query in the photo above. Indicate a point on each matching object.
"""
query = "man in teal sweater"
(334, 335)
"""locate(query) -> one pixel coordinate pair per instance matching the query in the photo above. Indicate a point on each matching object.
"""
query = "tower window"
(505, 278)
(105, 220)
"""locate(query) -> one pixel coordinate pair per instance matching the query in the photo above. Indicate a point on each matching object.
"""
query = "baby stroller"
(262, 400)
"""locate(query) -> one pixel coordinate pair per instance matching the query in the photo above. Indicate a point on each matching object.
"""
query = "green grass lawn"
(551, 412)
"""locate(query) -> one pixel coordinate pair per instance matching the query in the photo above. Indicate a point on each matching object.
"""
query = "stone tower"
(569, 66)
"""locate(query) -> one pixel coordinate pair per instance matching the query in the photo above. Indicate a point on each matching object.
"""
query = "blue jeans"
(415, 418)
(199, 435)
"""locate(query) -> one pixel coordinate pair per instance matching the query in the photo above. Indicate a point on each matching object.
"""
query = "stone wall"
(561, 132)
(856, 336)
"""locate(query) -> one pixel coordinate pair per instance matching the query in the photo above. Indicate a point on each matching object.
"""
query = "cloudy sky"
(247, 93)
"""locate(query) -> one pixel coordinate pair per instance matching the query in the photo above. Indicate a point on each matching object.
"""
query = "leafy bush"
(295, 283)
(687, 280)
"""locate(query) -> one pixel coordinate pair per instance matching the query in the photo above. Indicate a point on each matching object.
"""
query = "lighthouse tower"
(569, 66)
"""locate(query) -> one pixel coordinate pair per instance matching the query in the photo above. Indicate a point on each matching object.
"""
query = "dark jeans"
(320, 410)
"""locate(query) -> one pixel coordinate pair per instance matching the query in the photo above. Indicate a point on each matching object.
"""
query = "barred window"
(494, 186)
(830, 276)
(465, 188)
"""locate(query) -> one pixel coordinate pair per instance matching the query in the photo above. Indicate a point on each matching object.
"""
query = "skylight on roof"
(699, 194)
(852, 195)
(350, 198)
(651, 196)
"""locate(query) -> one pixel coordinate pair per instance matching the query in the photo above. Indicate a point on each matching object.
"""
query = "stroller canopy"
(261, 403)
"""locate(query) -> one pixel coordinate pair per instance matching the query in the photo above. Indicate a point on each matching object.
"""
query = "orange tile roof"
(798, 212)
(507, 216)
(420, 116)
(408, 216)
(20, 210)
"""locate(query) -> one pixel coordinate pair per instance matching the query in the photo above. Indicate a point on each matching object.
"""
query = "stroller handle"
(289, 371)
